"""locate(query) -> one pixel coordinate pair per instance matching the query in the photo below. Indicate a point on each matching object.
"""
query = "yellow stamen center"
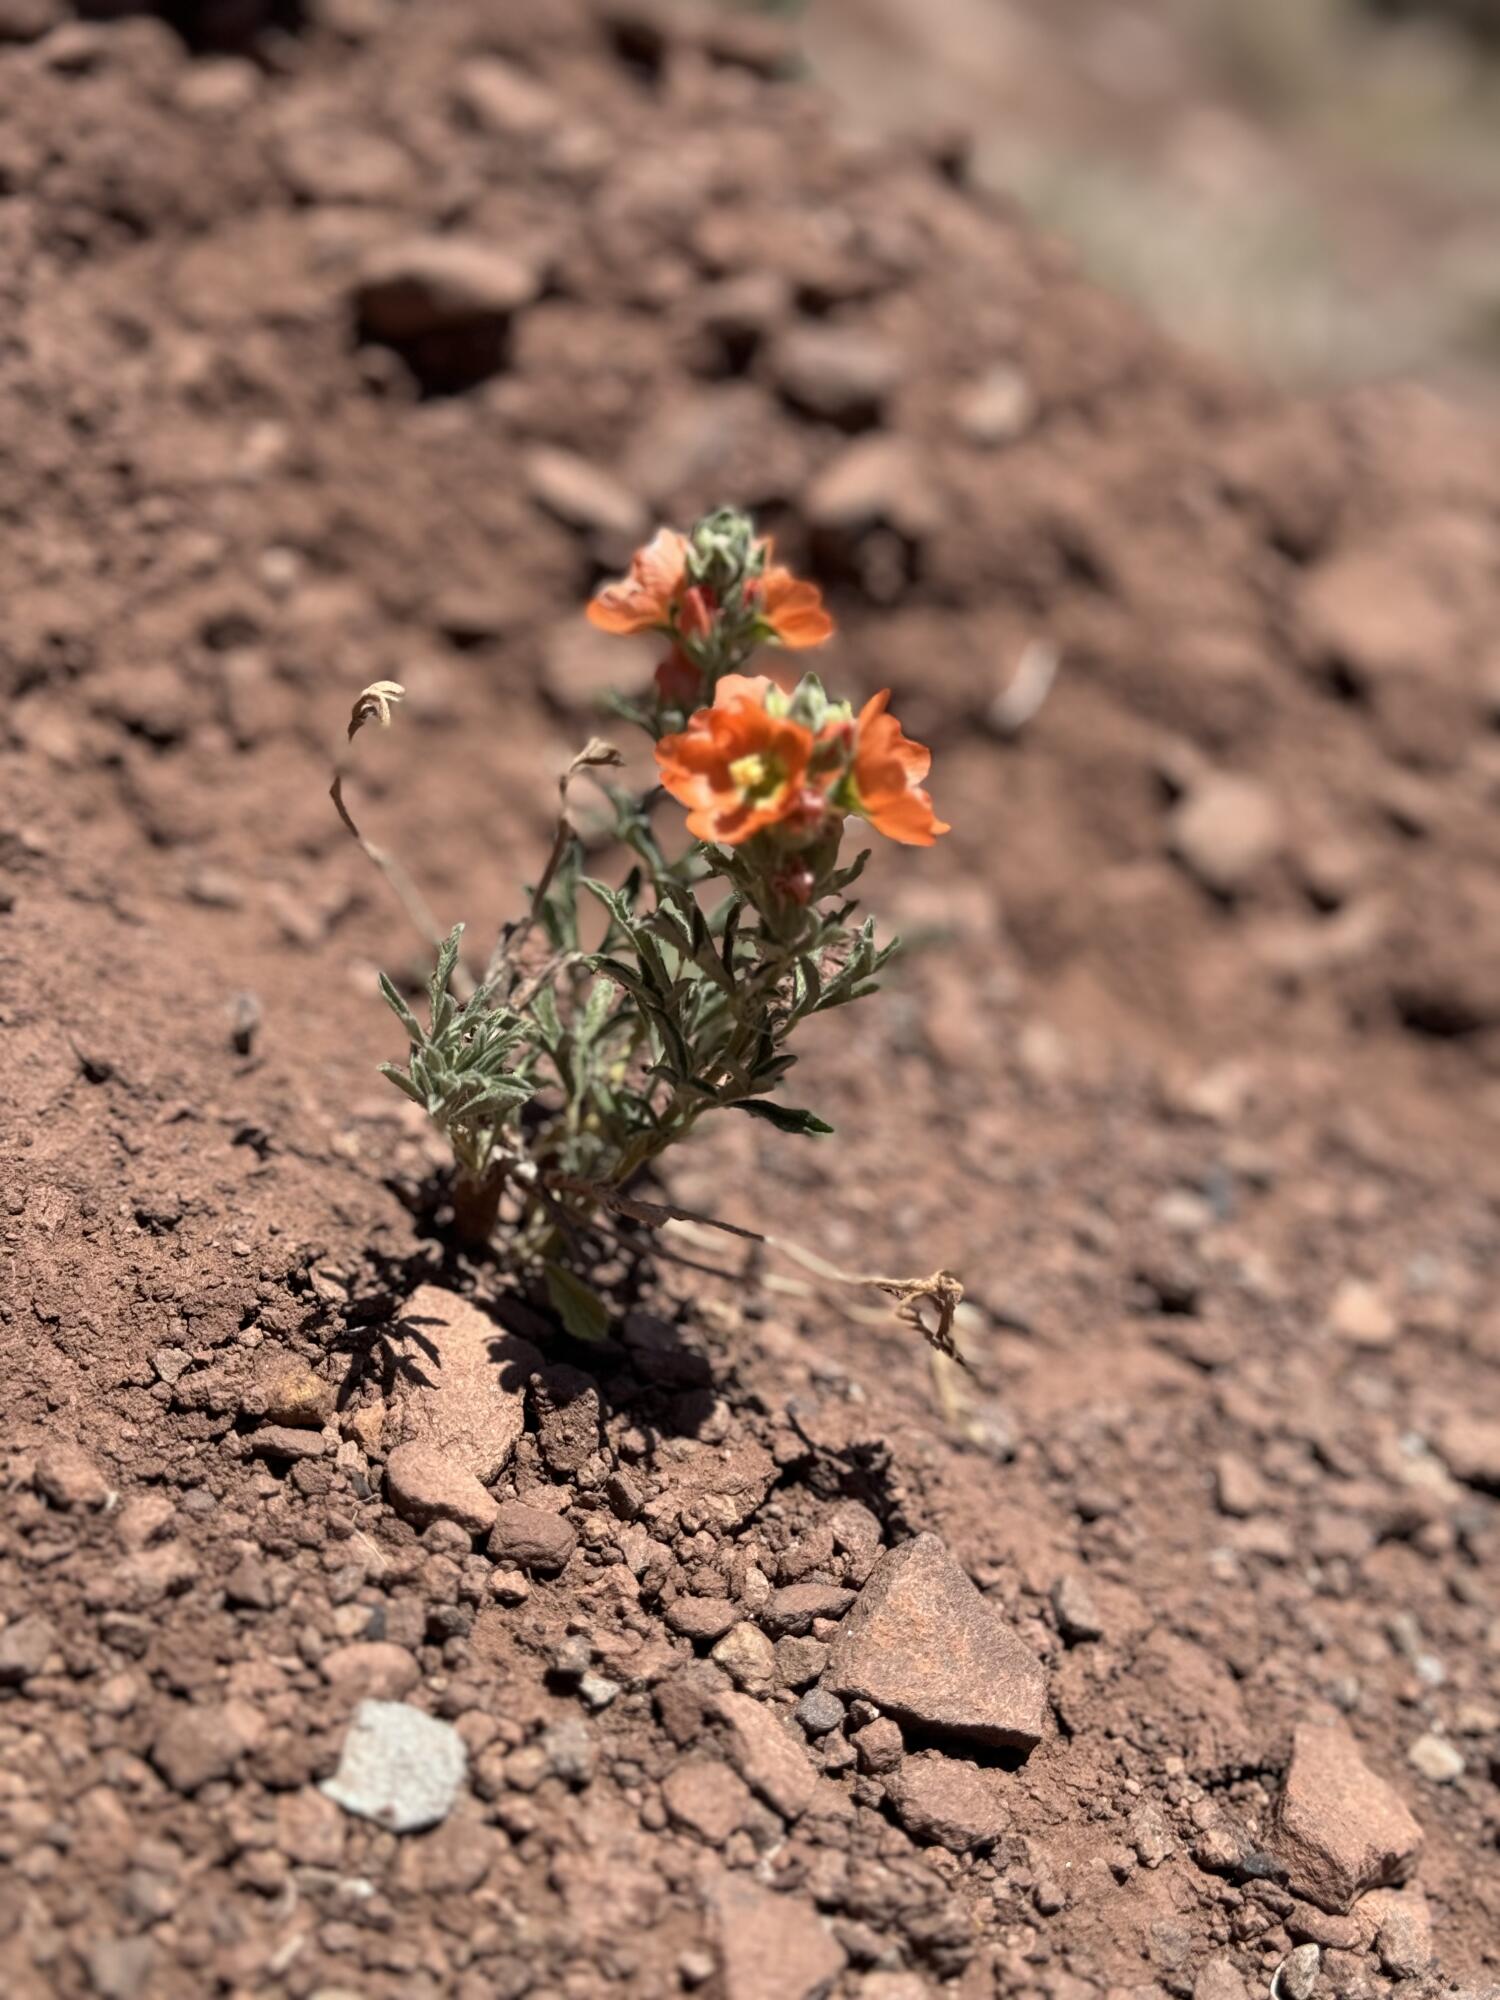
(758, 778)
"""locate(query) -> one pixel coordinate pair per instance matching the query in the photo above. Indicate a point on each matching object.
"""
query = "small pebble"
(819, 1711)
(1299, 1973)
(399, 1767)
(1435, 1758)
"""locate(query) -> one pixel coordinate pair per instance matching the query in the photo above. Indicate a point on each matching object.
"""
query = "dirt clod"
(68, 1476)
(942, 1799)
(772, 1947)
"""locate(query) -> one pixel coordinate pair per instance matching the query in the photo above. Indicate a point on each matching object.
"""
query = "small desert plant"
(574, 1065)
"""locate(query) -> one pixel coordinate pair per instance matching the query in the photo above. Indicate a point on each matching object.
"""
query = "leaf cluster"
(471, 1068)
(687, 1004)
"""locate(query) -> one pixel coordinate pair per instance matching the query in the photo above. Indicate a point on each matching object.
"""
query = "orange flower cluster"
(656, 596)
(746, 764)
(756, 757)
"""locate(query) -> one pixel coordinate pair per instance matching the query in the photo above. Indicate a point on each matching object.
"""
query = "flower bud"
(695, 620)
(796, 882)
(679, 681)
(722, 550)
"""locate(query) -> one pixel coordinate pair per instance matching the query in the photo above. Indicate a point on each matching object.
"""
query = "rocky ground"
(363, 1636)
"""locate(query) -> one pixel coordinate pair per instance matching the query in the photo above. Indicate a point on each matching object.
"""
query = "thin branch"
(544, 976)
(594, 755)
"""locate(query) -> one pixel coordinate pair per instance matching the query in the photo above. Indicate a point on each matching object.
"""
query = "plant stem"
(476, 1205)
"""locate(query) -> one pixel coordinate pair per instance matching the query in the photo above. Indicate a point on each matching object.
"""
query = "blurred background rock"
(1312, 186)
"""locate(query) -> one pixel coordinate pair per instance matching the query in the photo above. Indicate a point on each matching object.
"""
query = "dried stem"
(375, 704)
(596, 754)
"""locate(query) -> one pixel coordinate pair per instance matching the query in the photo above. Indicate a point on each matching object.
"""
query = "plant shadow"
(654, 1365)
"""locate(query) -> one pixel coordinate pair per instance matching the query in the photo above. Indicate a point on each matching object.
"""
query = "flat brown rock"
(772, 1947)
(923, 1644)
(425, 1485)
(706, 1797)
(531, 1537)
(702, 1618)
(68, 1476)
(463, 1380)
(794, 1607)
(425, 284)
(1340, 1829)
(947, 1800)
(770, 1759)
(376, 1669)
(1470, 1448)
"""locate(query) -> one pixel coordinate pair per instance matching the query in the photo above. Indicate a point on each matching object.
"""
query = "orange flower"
(885, 782)
(642, 601)
(736, 766)
(792, 608)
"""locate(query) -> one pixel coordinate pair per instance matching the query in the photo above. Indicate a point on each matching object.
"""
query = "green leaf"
(577, 1305)
(842, 878)
(590, 1023)
(442, 972)
(809, 986)
(844, 995)
(672, 927)
(403, 1082)
(709, 964)
(654, 966)
(612, 900)
(611, 703)
(735, 910)
(400, 1009)
(674, 1048)
(559, 907)
(544, 1008)
(785, 1117)
(622, 974)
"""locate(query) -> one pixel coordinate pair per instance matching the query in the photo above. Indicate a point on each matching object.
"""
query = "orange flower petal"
(888, 768)
(662, 563)
(794, 609)
(754, 688)
(642, 601)
(907, 818)
(879, 737)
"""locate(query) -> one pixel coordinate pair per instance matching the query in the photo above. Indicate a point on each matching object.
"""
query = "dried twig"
(376, 703)
(942, 1291)
(650, 1214)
